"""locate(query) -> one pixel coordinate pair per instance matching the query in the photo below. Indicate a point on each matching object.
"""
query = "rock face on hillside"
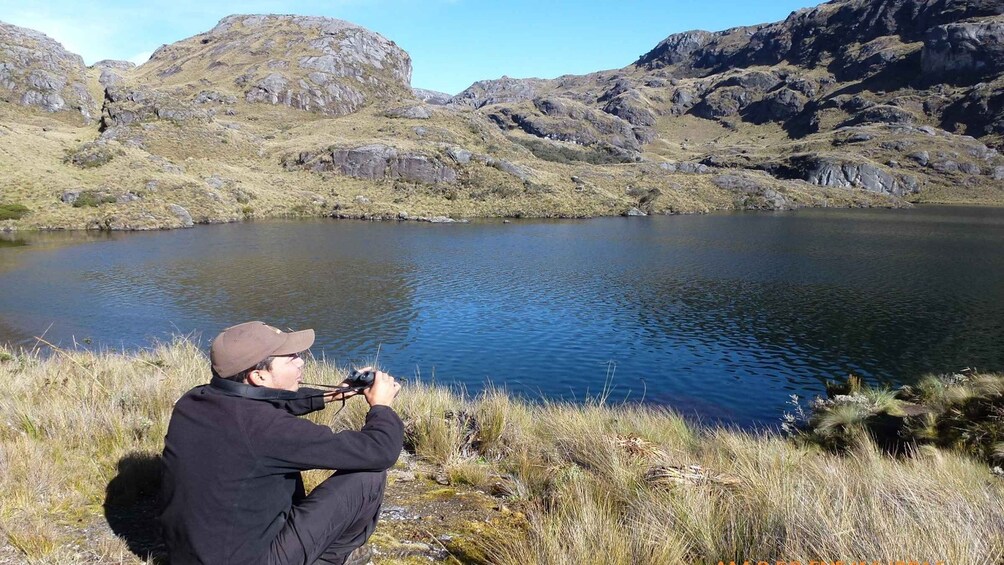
(964, 51)
(904, 64)
(37, 71)
(376, 162)
(310, 63)
(809, 37)
(505, 89)
(431, 96)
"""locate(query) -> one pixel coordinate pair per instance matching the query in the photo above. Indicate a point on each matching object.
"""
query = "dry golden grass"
(592, 483)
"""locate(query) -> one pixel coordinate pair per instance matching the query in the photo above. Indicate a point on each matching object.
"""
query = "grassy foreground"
(593, 483)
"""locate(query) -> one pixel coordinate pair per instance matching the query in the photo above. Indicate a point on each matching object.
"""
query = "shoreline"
(446, 219)
(488, 478)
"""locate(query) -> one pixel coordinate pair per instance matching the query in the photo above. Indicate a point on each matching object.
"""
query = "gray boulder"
(693, 168)
(683, 99)
(182, 214)
(945, 166)
(970, 168)
(459, 154)
(921, 157)
(517, 171)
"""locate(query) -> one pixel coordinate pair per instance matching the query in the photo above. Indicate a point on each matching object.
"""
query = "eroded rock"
(35, 70)
(377, 162)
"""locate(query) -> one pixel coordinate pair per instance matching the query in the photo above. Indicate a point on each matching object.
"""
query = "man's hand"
(383, 390)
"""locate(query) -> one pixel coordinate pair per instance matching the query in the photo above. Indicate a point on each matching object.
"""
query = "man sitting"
(232, 489)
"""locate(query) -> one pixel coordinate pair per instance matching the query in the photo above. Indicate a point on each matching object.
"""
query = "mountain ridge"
(272, 115)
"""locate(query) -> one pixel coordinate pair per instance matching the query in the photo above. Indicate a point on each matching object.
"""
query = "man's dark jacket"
(232, 461)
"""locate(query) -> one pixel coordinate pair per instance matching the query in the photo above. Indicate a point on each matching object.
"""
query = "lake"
(721, 316)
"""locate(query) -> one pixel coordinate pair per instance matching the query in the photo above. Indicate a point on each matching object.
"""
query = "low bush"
(13, 211)
(93, 198)
(963, 412)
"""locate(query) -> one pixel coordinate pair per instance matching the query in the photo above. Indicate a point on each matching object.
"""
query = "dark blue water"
(723, 316)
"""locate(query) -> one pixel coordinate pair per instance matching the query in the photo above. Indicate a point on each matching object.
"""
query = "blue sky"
(452, 43)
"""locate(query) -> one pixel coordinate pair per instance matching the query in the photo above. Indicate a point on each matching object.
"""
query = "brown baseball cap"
(243, 346)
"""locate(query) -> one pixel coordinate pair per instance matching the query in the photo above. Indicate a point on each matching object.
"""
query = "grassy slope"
(568, 484)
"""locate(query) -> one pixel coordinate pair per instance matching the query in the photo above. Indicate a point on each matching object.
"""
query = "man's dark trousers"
(337, 517)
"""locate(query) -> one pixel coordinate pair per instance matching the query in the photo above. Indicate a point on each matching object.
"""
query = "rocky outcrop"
(778, 106)
(499, 91)
(431, 96)
(37, 71)
(978, 112)
(842, 172)
(812, 35)
(325, 96)
(112, 70)
(756, 96)
(310, 63)
(631, 107)
(410, 113)
(677, 48)
(883, 114)
(182, 214)
(751, 193)
(124, 106)
(566, 120)
(964, 51)
(376, 162)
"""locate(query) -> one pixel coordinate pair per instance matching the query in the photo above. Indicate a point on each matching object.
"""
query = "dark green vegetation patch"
(962, 412)
(93, 198)
(13, 211)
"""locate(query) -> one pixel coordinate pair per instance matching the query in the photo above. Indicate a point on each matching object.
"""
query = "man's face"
(285, 373)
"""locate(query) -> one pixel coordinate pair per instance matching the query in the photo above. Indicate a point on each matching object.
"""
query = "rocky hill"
(851, 103)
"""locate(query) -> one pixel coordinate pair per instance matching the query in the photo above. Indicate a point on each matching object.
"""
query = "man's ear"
(255, 378)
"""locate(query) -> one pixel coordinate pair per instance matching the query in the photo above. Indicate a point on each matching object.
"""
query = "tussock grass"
(592, 483)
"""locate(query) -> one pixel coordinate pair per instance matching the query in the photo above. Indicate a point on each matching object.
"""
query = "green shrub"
(93, 198)
(13, 211)
(963, 412)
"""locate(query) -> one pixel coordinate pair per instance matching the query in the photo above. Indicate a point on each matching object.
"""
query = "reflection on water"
(722, 315)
